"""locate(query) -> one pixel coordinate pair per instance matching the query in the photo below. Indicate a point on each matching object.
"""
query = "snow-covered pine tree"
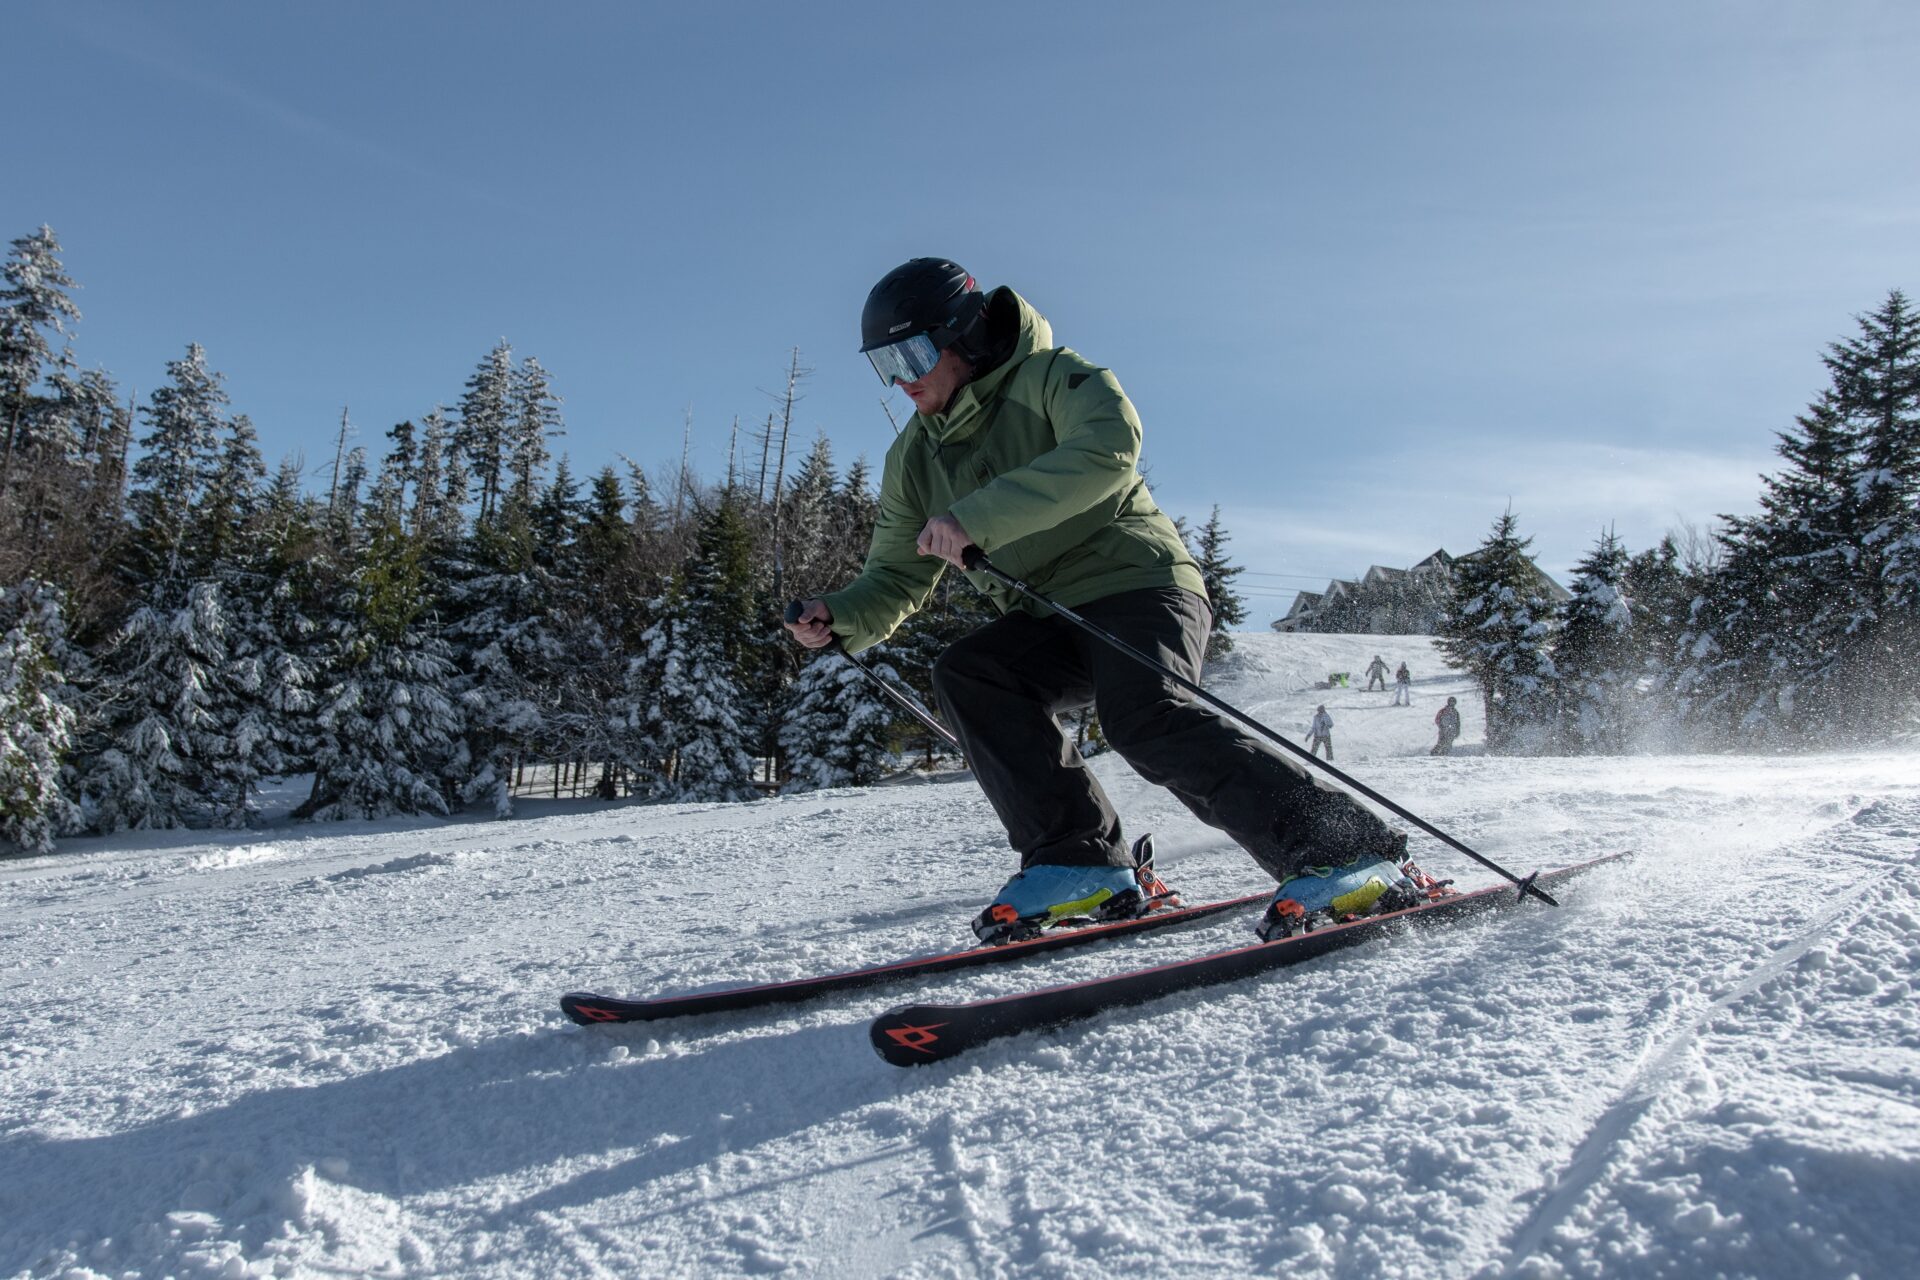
(1662, 590)
(33, 304)
(691, 717)
(855, 508)
(655, 542)
(805, 530)
(387, 720)
(1497, 629)
(1594, 653)
(261, 687)
(179, 455)
(158, 713)
(554, 519)
(485, 434)
(37, 719)
(1876, 379)
(535, 419)
(399, 472)
(1229, 610)
(1788, 643)
(605, 539)
(440, 490)
(228, 505)
(504, 643)
(836, 728)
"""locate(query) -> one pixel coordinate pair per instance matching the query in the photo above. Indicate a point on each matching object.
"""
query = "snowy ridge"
(336, 1049)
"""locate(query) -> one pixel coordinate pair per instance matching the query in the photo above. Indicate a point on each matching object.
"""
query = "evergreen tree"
(440, 490)
(399, 472)
(1497, 630)
(535, 420)
(836, 727)
(555, 519)
(179, 455)
(160, 729)
(507, 650)
(37, 719)
(605, 549)
(855, 509)
(231, 500)
(1663, 592)
(688, 707)
(1594, 653)
(805, 535)
(33, 303)
(485, 433)
(1876, 379)
(264, 699)
(1800, 635)
(1218, 572)
(652, 539)
(389, 726)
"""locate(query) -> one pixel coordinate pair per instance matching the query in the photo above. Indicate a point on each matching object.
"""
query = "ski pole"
(976, 560)
(910, 705)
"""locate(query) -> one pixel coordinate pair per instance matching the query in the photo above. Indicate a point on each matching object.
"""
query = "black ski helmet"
(927, 295)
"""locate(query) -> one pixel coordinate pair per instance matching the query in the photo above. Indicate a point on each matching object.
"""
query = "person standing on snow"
(1447, 720)
(1377, 673)
(1320, 732)
(1029, 451)
(1402, 687)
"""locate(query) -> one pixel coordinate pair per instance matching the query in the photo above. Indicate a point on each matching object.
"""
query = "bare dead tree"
(339, 457)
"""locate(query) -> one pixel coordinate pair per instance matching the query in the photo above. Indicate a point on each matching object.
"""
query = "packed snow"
(335, 1049)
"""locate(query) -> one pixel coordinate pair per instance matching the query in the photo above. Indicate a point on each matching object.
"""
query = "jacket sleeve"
(1097, 442)
(896, 579)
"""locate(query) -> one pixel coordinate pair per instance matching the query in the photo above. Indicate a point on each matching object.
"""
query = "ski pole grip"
(797, 607)
(972, 557)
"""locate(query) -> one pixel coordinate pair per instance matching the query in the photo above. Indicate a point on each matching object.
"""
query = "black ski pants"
(1001, 687)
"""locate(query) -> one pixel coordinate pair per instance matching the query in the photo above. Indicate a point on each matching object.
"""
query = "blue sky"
(1371, 271)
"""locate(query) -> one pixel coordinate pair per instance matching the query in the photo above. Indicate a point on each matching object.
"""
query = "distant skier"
(1029, 451)
(1320, 733)
(1402, 687)
(1447, 720)
(1377, 674)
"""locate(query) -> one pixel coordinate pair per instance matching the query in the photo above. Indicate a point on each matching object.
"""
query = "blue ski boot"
(1047, 893)
(1324, 895)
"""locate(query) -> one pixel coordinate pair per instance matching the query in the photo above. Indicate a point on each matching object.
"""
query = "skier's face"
(932, 393)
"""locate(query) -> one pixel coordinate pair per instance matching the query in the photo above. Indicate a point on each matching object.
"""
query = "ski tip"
(588, 1009)
(913, 1036)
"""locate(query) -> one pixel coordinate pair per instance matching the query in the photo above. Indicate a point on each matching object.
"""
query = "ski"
(589, 1008)
(916, 1034)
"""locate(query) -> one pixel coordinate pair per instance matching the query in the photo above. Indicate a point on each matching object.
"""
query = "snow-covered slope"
(317, 1051)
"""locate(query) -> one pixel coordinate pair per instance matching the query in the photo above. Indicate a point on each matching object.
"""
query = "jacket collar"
(968, 410)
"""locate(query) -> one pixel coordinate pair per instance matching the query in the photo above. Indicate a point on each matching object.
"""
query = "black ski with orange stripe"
(588, 1008)
(916, 1034)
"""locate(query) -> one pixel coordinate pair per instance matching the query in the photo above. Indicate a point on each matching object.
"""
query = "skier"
(1447, 719)
(1029, 451)
(1402, 687)
(1320, 732)
(1377, 674)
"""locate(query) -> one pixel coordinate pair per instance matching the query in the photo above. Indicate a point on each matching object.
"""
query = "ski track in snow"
(324, 1051)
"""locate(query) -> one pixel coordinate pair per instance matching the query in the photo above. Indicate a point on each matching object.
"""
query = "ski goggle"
(907, 360)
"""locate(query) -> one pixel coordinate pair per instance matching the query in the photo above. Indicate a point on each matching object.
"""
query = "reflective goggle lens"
(907, 360)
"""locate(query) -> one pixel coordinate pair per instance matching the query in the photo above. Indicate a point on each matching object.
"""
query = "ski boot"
(1319, 896)
(1158, 895)
(1049, 895)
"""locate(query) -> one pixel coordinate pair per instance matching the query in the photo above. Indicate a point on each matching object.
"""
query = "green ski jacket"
(1037, 460)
